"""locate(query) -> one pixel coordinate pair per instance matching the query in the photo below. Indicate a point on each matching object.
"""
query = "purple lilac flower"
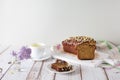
(58, 46)
(23, 53)
(14, 53)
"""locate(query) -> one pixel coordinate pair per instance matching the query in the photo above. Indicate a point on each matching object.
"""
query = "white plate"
(54, 71)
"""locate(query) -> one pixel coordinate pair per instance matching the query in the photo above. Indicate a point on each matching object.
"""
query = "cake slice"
(61, 66)
(86, 51)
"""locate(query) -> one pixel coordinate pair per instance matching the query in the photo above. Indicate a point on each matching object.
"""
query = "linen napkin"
(113, 54)
(107, 55)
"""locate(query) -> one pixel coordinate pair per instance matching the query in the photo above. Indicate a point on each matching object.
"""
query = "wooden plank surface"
(19, 74)
(8, 72)
(4, 48)
(76, 75)
(45, 72)
(92, 73)
(4, 59)
(113, 74)
(38, 70)
(35, 70)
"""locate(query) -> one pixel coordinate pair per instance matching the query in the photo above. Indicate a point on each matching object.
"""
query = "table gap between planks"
(37, 70)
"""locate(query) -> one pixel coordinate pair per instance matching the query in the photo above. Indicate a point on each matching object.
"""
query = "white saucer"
(43, 58)
(54, 71)
(47, 54)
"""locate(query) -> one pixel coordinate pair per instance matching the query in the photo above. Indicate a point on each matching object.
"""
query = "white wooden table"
(34, 70)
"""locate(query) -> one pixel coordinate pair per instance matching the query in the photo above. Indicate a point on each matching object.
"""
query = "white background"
(51, 21)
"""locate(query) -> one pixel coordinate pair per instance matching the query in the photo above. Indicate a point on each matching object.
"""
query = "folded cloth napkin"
(112, 51)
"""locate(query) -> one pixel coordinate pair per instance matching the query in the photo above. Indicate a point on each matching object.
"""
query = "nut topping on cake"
(79, 40)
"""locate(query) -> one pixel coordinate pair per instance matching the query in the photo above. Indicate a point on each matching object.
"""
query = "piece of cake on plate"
(61, 66)
(82, 46)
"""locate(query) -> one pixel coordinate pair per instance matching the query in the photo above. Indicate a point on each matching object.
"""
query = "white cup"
(38, 50)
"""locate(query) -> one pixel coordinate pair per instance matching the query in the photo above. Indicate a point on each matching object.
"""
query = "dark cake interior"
(61, 66)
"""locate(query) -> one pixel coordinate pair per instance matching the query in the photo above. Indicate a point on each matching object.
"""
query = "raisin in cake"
(82, 46)
(61, 66)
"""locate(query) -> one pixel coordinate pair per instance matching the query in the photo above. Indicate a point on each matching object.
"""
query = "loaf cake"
(61, 66)
(82, 46)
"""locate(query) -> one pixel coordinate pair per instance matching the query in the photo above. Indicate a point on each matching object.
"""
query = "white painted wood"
(71, 76)
(113, 74)
(14, 74)
(91, 73)
(35, 71)
(45, 73)
(4, 59)
(3, 48)
(39, 71)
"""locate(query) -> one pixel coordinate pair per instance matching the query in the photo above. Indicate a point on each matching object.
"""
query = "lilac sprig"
(23, 53)
(58, 46)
